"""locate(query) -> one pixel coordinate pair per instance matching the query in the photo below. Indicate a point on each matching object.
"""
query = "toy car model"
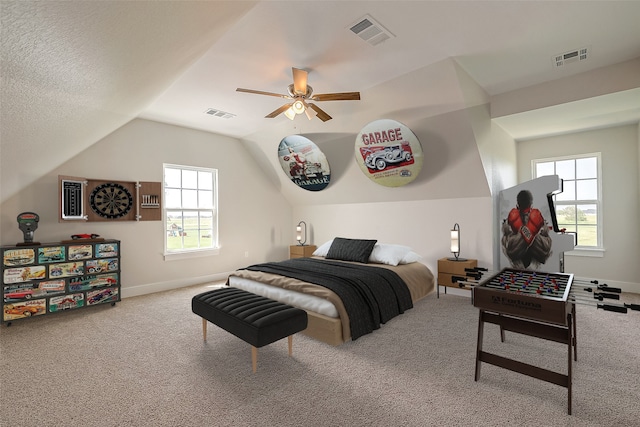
(52, 258)
(27, 310)
(393, 154)
(84, 236)
(99, 296)
(80, 255)
(22, 293)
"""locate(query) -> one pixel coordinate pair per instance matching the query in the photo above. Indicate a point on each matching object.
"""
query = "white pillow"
(384, 253)
(410, 258)
(323, 249)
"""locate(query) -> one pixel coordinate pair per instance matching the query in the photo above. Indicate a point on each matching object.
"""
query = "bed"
(349, 287)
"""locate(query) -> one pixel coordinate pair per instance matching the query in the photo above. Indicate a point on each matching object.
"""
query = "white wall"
(254, 216)
(621, 190)
(424, 225)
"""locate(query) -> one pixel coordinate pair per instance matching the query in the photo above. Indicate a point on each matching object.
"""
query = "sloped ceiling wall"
(98, 86)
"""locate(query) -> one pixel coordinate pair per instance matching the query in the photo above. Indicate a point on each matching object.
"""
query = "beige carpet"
(143, 363)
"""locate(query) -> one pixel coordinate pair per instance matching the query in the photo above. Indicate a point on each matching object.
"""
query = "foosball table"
(537, 304)
(531, 303)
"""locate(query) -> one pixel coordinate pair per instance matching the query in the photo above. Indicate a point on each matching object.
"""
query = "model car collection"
(49, 278)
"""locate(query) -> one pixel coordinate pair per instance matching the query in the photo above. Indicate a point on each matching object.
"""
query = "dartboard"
(111, 200)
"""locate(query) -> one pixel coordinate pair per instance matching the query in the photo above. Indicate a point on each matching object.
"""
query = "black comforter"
(371, 295)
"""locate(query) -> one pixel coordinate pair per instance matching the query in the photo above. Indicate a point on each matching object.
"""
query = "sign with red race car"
(304, 163)
(388, 153)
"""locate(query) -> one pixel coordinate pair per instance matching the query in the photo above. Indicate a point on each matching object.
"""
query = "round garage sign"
(388, 153)
(304, 163)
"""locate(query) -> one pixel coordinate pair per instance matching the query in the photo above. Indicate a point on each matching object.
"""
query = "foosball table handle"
(606, 295)
(607, 288)
(635, 307)
(616, 308)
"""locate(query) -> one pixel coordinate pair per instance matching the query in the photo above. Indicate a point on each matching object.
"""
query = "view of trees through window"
(578, 206)
(190, 208)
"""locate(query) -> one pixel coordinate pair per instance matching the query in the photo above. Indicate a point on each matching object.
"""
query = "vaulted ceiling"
(75, 71)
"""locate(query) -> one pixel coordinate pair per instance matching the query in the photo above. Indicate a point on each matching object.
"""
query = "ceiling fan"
(300, 93)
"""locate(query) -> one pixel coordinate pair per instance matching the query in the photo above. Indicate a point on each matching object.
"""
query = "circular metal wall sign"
(304, 163)
(388, 153)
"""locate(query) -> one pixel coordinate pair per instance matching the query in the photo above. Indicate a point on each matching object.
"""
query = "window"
(578, 207)
(190, 208)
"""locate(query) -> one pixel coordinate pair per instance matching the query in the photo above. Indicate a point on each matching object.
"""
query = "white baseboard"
(149, 288)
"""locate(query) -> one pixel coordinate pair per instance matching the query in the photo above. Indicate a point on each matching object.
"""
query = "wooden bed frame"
(327, 329)
(324, 328)
(330, 329)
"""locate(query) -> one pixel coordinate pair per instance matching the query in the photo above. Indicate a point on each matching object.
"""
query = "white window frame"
(587, 251)
(195, 252)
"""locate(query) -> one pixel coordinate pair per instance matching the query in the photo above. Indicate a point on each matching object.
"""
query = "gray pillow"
(357, 250)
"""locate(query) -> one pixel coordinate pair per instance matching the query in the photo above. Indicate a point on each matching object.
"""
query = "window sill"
(197, 253)
(593, 253)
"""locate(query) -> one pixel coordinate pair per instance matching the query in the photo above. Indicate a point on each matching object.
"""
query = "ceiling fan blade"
(299, 81)
(277, 112)
(321, 114)
(259, 92)
(344, 96)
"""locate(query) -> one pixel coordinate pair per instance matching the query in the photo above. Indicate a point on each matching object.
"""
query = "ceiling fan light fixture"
(298, 106)
(290, 113)
(298, 94)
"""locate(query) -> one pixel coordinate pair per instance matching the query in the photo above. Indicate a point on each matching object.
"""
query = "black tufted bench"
(255, 319)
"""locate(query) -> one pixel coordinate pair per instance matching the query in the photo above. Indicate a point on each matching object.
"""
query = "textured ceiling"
(72, 72)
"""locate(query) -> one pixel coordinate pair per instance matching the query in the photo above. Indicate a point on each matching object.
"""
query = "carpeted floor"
(143, 363)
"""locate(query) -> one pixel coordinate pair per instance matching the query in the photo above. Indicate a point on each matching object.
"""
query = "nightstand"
(448, 268)
(300, 251)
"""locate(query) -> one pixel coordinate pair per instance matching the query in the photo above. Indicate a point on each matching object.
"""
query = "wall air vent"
(566, 58)
(370, 31)
(217, 113)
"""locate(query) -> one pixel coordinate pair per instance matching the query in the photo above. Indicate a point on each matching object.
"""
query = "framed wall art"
(388, 153)
(304, 163)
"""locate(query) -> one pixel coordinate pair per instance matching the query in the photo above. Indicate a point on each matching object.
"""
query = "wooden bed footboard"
(324, 328)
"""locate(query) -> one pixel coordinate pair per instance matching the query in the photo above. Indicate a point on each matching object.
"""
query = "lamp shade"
(290, 113)
(455, 241)
(301, 233)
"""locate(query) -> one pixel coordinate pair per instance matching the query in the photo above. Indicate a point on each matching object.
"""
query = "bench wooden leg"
(290, 339)
(204, 328)
(254, 358)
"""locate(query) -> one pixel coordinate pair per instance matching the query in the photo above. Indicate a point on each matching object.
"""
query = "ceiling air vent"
(370, 31)
(217, 113)
(563, 59)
